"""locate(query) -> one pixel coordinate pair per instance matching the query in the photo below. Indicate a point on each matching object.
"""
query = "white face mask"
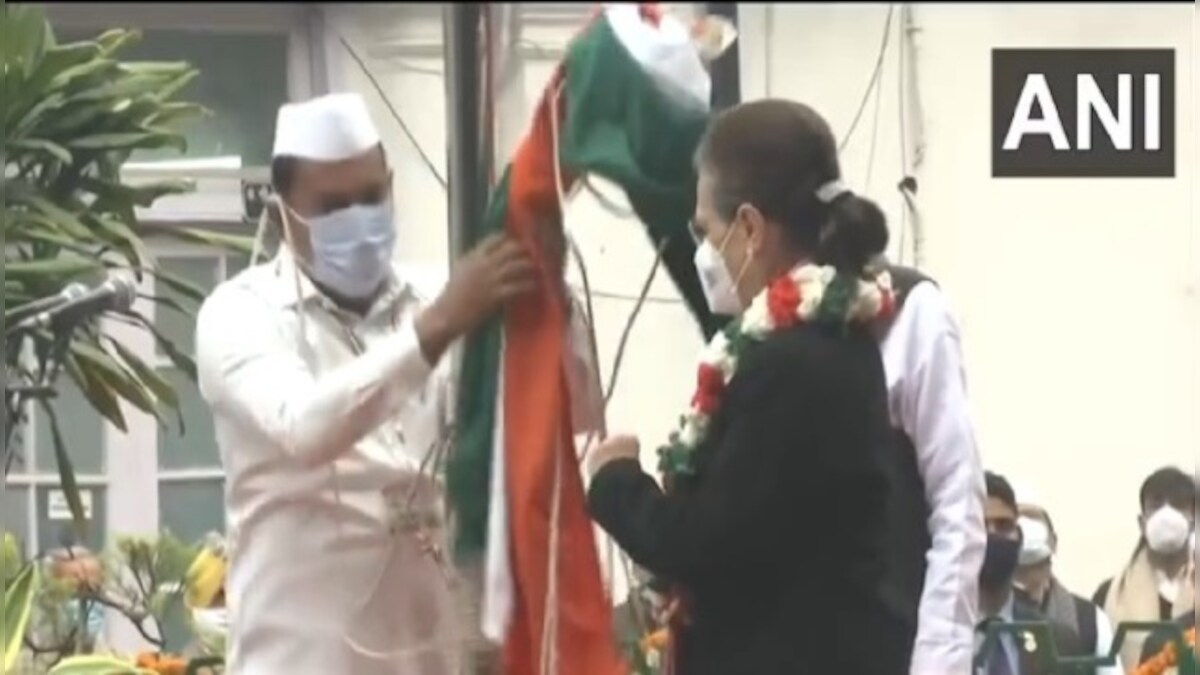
(1035, 546)
(1167, 530)
(720, 287)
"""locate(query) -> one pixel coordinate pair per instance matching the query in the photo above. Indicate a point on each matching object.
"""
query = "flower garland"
(806, 294)
(1165, 660)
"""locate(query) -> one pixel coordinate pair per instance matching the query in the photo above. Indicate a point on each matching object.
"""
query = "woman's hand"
(612, 449)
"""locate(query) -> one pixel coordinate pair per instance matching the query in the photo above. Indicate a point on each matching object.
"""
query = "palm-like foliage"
(73, 115)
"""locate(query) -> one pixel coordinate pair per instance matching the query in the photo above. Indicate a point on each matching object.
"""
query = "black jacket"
(778, 541)
(1031, 651)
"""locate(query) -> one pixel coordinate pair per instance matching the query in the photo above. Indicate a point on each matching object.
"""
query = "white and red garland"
(807, 294)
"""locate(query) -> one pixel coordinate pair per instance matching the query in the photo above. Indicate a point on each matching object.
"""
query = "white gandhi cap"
(326, 129)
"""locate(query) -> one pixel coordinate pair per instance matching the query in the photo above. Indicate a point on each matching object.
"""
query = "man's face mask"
(352, 249)
(1167, 530)
(1035, 541)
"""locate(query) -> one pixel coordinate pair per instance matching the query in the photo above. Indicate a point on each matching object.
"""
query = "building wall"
(1079, 389)
(1077, 298)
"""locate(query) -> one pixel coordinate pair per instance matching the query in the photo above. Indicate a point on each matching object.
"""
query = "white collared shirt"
(322, 435)
(927, 397)
(322, 418)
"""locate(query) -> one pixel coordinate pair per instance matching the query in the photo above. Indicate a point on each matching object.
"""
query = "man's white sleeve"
(249, 369)
(935, 415)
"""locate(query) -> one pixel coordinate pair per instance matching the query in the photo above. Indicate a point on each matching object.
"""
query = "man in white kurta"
(927, 396)
(326, 404)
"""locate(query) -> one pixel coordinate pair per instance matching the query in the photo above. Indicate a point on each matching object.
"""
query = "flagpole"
(727, 68)
(469, 170)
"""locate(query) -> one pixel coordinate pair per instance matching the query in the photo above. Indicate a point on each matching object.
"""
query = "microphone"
(68, 293)
(117, 293)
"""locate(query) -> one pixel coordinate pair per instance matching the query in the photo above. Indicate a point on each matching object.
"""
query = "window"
(34, 509)
(242, 80)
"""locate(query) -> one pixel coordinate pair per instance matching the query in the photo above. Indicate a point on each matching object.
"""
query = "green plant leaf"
(18, 600)
(143, 195)
(178, 358)
(66, 76)
(38, 145)
(66, 474)
(97, 665)
(26, 36)
(122, 141)
(151, 378)
(229, 242)
(106, 369)
(112, 41)
(171, 114)
(179, 285)
(101, 397)
(59, 215)
(60, 268)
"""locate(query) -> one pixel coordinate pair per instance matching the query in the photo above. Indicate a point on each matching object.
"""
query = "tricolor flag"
(632, 101)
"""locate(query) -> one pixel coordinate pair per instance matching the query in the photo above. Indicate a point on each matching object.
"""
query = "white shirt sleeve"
(928, 397)
(1104, 638)
(249, 369)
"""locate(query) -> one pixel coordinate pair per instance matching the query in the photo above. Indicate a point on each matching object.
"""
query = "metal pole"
(467, 189)
(727, 69)
(467, 175)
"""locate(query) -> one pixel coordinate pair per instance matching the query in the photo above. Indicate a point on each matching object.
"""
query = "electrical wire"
(395, 114)
(874, 135)
(887, 31)
(901, 102)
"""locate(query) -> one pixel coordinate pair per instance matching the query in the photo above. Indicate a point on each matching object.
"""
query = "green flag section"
(627, 127)
(629, 103)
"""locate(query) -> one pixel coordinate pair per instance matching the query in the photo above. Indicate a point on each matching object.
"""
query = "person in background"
(937, 531)
(1011, 654)
(1155, 643)
(78, 566)
(1036, 583)
(1156, 584)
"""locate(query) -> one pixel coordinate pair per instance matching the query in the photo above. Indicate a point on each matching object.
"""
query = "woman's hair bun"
(856, 232)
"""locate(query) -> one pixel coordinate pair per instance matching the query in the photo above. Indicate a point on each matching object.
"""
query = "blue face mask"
(93, 621)
(352, 249)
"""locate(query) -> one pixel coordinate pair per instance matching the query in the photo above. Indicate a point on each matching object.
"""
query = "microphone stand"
(39, 388)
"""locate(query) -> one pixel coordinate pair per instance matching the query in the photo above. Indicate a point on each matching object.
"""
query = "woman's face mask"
(352, 249)
(720, 286)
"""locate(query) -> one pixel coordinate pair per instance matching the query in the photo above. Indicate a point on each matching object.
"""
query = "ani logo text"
(1083, 113)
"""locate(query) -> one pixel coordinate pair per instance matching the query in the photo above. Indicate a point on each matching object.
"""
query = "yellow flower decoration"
(205, 579)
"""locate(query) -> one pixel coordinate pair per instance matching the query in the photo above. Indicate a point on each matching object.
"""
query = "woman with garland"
(770, 530)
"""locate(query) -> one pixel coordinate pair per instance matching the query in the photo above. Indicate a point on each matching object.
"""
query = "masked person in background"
(1157, 584)
(83, 571)
(1011, 654)
(1036, 583)
(1155, 643)
(325, 369)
